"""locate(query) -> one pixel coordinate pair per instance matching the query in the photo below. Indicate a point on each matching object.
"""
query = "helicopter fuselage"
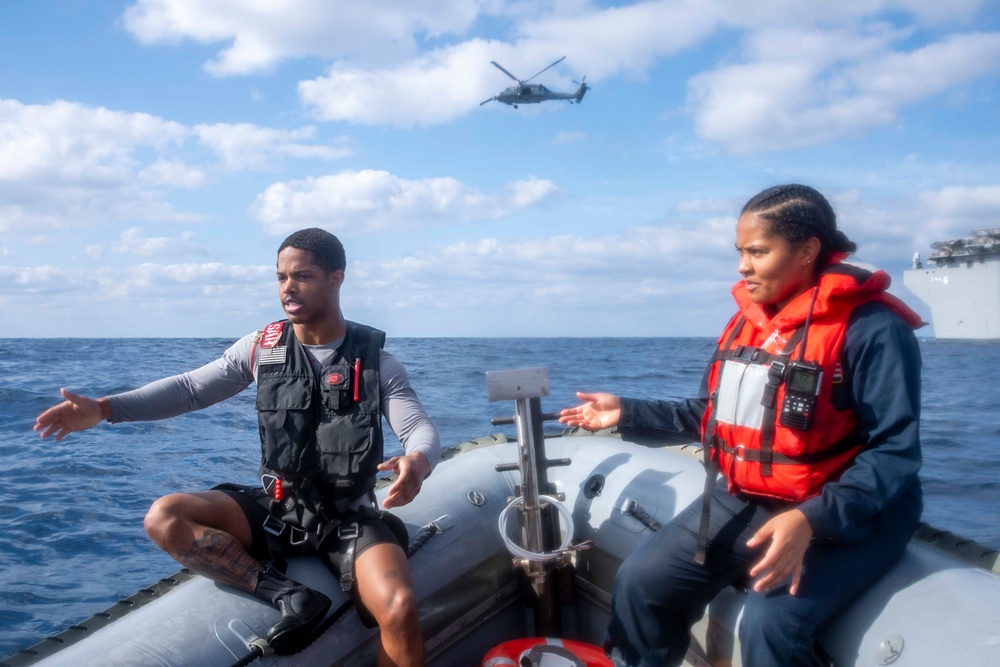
(535, 93)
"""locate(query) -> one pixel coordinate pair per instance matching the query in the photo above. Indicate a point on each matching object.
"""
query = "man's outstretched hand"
(76, 413)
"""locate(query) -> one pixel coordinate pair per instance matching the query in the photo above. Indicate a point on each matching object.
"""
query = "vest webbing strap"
(755, 456)
(770, 416)
(711, 464)
(765, 456)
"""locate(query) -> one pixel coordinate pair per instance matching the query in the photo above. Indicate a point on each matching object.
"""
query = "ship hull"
(964, 297)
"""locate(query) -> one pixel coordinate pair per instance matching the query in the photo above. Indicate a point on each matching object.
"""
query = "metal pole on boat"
(539, 528)
(527, 414)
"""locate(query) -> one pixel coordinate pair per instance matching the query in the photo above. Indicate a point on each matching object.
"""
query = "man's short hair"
(326, 249)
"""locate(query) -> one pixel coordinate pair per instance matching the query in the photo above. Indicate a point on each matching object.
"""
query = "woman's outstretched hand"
(597, 411)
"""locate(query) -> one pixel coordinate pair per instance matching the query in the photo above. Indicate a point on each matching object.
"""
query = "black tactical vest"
(322, 437)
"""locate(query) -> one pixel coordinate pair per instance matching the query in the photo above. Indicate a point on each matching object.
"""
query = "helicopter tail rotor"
(582, 90)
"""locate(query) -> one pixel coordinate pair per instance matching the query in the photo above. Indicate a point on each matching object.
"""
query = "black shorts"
(376, 527)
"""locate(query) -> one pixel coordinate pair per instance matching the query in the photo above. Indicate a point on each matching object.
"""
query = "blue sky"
(154, 153)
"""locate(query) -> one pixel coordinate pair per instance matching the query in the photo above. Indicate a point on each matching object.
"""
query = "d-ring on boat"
(516, 542)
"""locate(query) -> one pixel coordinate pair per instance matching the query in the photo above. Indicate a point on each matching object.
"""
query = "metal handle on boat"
(548, 463)
(506, 421)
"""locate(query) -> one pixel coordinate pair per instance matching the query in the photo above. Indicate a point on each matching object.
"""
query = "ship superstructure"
(961, 284)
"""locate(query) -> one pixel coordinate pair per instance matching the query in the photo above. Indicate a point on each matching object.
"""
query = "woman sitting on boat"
(810, 411)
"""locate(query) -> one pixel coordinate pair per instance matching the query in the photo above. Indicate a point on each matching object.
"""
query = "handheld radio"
(802, 383)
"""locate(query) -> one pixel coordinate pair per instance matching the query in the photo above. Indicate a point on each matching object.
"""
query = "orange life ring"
(509, 654)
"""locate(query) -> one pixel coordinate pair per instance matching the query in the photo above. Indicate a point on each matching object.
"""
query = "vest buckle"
(274, 526)
(349, 531)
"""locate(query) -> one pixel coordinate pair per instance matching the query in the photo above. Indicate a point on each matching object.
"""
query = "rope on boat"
(518, 550)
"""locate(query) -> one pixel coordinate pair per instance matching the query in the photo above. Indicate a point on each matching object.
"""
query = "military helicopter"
(533, 93)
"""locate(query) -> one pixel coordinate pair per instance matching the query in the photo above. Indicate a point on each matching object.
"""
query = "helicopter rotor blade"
(552, 65)
(485, 101)
(494, 63)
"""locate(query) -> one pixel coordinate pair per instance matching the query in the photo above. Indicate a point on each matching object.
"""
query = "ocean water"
(71, 537)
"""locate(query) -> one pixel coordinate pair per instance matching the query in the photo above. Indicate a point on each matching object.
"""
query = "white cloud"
(434, 88)
(39, 207)
(617, 40)
(553, 285)
(154, 299)
(665, 255)
(173, 173)
(75, 144)
(137, 280)
(262, 33)
(66, 164)
(245, 146)
(811, 67)
(133, 243)
(207, 276)
(821, 86)
(954, 211)
(368, 200)
(450, 81)
(956, 59)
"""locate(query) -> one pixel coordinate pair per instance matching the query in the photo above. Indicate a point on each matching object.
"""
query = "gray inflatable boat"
(522, 537)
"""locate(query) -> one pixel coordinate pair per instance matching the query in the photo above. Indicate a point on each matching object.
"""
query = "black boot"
(302, 609)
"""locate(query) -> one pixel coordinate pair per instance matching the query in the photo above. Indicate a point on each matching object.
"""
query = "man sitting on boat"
(323, 386)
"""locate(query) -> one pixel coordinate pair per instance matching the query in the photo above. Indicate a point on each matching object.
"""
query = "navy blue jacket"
(881, 361)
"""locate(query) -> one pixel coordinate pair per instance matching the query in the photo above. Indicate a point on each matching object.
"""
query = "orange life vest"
(748, 381)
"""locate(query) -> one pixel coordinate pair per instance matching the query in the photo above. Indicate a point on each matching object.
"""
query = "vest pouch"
(741, 388)
(347, 451)
(284, 406)
(336, 387)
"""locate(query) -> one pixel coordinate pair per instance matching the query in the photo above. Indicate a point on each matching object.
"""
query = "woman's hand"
(789, 533)
(598, 411)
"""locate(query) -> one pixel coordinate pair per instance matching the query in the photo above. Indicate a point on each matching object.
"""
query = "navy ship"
(961, 284)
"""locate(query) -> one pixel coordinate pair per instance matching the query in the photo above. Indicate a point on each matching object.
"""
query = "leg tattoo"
(220, 557)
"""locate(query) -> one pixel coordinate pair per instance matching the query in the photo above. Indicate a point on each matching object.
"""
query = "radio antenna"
(809, 315)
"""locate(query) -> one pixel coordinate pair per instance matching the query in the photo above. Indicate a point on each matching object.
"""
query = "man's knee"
(398, 611)
(176, 515)
(162, 515)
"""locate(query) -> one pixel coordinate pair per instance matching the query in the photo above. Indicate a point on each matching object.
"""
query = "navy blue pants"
(660, 592)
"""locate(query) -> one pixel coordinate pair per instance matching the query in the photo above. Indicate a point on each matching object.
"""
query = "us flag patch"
(273, 355)
(838, 373)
